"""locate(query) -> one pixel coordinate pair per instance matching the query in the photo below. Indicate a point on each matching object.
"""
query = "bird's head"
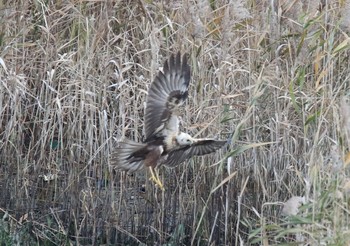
(184, 139)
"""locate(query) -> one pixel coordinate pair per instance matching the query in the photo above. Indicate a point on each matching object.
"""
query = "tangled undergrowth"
(271, 77)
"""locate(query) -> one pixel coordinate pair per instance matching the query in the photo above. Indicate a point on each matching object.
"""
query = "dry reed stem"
(271, 77)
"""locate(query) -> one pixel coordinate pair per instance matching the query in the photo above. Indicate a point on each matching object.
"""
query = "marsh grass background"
(272, 77)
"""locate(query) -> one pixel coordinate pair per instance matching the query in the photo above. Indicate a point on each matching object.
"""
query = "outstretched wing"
(167, 92)
(201, 147)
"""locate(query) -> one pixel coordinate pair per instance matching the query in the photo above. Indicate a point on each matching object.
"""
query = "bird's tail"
(126, 157)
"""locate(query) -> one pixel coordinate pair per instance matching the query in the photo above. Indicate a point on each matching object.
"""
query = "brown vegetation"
(272, 77)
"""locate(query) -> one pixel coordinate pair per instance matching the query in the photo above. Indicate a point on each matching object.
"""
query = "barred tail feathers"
(122, 158)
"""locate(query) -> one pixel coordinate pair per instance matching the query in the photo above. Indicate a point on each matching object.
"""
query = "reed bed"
(271, 77)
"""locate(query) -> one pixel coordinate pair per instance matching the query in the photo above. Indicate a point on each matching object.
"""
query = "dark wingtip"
(174, 61)
(179, 62)
(186, 70)
(178, 57)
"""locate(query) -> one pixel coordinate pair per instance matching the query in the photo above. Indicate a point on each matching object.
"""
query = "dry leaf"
(291, 207)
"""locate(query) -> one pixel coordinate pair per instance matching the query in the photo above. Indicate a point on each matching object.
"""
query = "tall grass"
(271, 78)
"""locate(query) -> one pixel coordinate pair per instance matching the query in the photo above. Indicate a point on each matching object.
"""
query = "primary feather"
(168, 90)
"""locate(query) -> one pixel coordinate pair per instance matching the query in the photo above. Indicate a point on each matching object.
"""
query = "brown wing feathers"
(168, 90)
(202, 147)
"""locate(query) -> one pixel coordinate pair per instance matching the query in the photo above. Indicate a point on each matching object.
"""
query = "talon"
(155, 178)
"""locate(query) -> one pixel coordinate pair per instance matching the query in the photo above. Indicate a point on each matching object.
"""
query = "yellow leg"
(155, 178)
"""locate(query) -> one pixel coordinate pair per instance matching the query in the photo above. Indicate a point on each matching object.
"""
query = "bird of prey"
(164, 144)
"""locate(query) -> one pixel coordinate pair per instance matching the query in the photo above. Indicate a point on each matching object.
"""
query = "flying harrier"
(164, 144)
